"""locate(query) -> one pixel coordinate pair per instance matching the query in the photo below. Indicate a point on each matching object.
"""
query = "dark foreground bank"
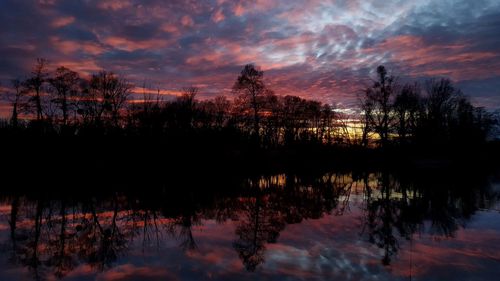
(122, 160)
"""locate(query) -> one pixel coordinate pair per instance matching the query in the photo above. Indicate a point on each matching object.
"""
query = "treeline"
(434, 113)
(62, 103)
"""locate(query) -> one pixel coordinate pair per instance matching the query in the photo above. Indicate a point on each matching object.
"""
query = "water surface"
(344, 226)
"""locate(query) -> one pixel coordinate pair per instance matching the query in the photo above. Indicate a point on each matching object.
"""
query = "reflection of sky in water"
(334, 246)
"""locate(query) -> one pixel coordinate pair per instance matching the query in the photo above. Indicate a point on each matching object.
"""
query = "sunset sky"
(317, 49)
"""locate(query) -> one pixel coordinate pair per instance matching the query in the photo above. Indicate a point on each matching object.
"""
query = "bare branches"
(388, 113)
(250, 85)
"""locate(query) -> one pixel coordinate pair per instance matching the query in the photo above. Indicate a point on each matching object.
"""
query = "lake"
(348, 225)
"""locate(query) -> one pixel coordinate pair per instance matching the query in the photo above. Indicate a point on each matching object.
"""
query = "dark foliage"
(391, 116)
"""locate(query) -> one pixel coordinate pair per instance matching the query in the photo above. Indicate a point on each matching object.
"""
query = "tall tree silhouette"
(105, 96)
(449, 117)
(250, 85)
(222, 106)
(366, 105)
(19, 92)
(65, 84)
(407, 106)
(379, 97)
(186, 107)
(35, 85)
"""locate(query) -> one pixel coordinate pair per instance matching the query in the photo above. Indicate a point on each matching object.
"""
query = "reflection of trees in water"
(399, 208)
(181, 228)
(383, 214)
(102, 239)
(261, 223)
(57, 237)
(53, 236)
(265, 213)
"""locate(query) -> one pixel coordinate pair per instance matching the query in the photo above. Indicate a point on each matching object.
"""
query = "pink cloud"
(122, 43)
(85, 67)
(170, 28)
(218, 16)
(114, 4)
(69, 47)
(455, 60)
(187, 21)
(238, 10)
(63, 21)
(314, 46)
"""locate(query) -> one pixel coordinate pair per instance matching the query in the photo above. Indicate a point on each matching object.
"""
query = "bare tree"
(222, 105)
(107, 94)
(378, 99)
(186, 107)
(440, 107)
(440, 94)
(35, 85)
(407, 108)
(366, 106)
(65, 84)
(189, 95)
(19, 92)
(251, 86)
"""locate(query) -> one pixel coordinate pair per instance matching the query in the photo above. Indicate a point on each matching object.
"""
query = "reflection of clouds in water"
(472, 253)
(484, 222)
(315, 249)
(495, 187)
(130, 272)
(328, 247)
(4, 218)
(291, 228)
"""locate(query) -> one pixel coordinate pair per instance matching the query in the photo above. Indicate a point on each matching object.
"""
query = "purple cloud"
(316, 49)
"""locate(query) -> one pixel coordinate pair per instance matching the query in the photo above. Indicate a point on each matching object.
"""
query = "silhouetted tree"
(186, 107)
(105, 97)
(35, 85)
(221, 106)
(146, 116)
(101, 106)
(367, 107)
(378, 99)
(250, 85)
(19, 92)
(65, 84)
(407, 106)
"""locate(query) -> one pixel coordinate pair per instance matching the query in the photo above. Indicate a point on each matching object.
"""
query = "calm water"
(343, 226)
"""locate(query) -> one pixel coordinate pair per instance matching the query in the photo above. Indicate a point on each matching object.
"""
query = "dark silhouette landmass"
(63, 122)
